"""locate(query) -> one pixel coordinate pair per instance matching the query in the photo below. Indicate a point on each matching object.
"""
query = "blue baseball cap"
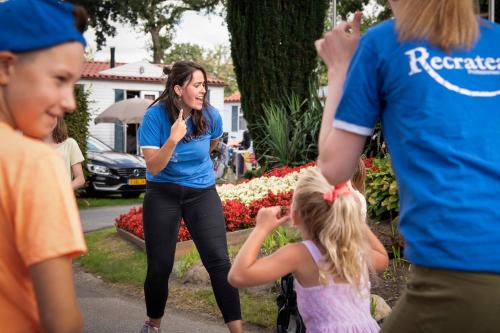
(29, 25)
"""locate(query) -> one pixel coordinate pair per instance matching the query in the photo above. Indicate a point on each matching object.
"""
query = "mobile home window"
(119, 95)
(234, 118)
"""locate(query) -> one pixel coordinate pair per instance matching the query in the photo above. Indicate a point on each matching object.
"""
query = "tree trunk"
(157, 51)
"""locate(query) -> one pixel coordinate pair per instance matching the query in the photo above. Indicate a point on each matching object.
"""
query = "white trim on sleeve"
(356, 129)
(151, 147)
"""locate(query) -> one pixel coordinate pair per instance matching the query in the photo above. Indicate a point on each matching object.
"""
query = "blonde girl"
(330, 265)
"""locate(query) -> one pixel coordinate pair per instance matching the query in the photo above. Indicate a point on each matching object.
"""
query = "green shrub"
(78, 121)
(291, 129)
(382, 190)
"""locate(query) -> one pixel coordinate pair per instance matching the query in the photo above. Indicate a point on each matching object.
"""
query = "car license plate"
(137, 181)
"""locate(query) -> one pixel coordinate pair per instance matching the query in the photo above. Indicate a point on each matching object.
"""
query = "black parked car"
(114, 172)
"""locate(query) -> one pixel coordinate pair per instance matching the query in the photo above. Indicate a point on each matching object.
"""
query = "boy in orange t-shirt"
(41, 57)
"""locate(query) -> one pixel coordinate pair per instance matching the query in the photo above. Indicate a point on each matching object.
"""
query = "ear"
(7, 61)
(178, 90)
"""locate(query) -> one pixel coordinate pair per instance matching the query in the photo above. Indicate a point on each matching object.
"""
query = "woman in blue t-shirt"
(432, 76)
(177, 135)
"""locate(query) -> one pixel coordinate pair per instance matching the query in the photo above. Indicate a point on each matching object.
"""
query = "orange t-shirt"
(39, 220)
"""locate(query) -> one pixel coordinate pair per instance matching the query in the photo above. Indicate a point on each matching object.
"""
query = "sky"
(131, 46)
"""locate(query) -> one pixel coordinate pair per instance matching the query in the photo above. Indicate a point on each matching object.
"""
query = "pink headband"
(335, 191)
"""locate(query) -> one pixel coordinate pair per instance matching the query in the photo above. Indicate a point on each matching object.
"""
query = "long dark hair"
(60, 132)
(81, 18)
(180, 74)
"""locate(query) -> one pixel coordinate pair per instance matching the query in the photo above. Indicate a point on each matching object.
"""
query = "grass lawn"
(110, 200)
(117, 261)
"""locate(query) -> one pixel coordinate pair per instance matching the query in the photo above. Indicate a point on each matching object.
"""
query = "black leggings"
(164, 206)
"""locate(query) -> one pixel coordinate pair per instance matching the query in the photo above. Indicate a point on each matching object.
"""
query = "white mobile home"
(108, 83)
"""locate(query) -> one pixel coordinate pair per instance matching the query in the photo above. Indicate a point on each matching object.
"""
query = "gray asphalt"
(101, 217)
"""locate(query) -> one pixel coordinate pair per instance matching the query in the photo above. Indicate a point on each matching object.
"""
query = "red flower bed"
(281, 199)
(237, 215)
(283, 171)
(132, 222)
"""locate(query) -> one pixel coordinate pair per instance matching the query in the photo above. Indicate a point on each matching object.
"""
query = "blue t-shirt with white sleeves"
(190, 164)
(440, 115)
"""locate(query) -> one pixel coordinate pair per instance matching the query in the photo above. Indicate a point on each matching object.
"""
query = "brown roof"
(92, 69)
(234, 98)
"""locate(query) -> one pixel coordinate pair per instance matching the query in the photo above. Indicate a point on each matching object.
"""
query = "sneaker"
(148, 328)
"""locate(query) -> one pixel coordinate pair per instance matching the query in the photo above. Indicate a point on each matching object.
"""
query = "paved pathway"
(102, 217)
(110, 310)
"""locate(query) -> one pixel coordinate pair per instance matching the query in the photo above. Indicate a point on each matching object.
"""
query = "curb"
(233, 238)
(130, 237)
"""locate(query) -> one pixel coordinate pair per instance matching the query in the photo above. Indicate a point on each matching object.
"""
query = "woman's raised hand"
(338, 45)
(178, 129)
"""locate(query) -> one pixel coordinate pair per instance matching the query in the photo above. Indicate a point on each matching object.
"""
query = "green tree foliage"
(154, 17)
(272, 46)
(184, 51)
(78, 121)
(101, 14)
(216, 61)
(375, 145)
(347, 7)
(345, 10)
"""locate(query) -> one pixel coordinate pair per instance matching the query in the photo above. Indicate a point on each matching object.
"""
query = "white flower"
(258, 188)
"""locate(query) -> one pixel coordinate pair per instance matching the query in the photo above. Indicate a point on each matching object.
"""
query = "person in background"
(70, 151)
(220, 158)
(41, 58)
(246, 142)
(431, 75)
(330, 265)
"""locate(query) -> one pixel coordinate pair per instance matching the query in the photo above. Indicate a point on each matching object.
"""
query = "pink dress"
(334, 308)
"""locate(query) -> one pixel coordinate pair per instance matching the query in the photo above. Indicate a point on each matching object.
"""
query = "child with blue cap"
(41, 57)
